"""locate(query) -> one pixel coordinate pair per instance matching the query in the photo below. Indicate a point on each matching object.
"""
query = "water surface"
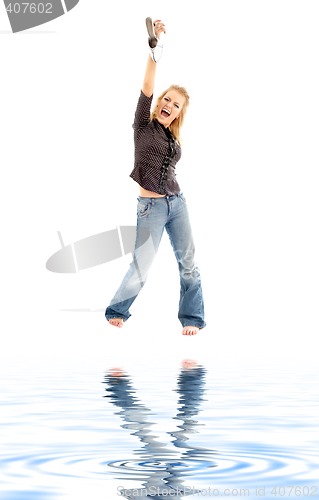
(181, 429)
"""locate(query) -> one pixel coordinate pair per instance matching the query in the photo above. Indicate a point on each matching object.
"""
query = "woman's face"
(169, 108)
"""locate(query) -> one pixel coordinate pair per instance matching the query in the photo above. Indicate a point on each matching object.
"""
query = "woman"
(161, 203)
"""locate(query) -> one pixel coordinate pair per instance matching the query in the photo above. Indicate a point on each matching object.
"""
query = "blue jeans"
(153, 215)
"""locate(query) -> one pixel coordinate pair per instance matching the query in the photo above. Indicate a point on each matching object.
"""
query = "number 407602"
(31, 8)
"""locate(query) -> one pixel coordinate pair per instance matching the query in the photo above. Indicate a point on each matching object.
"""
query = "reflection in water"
(161, 470)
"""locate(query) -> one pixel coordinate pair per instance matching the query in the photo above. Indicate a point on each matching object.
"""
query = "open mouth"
(165, 113)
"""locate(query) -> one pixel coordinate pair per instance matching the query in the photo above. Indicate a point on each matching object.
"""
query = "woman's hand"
(159, 27)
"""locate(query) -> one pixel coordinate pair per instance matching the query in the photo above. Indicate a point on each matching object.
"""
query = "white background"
(249, 172)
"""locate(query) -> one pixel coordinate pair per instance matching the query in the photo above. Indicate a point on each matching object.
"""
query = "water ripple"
(112, 435)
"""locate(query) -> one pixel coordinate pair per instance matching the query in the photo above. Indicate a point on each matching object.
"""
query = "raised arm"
(150, 72)
(149, 77)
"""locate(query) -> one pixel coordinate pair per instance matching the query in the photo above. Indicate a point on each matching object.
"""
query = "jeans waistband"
(166, 197)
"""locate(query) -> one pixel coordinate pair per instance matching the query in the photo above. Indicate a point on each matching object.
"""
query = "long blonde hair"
(176, 125)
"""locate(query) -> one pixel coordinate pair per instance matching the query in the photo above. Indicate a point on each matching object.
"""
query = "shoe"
(152, 40)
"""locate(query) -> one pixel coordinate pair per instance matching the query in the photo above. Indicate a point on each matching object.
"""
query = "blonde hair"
(176, 125)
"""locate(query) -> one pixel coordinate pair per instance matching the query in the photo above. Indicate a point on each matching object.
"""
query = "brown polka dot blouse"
(156, 152)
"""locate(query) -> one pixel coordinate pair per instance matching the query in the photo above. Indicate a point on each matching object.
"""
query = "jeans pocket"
(143, 208)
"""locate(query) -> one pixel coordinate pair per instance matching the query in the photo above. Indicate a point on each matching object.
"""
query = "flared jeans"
(153, 216)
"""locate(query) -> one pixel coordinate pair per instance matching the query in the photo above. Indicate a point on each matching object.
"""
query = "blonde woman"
(161, 204)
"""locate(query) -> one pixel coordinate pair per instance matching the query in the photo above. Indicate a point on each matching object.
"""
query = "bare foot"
(116, 322)
(117, 372)
(190, 330)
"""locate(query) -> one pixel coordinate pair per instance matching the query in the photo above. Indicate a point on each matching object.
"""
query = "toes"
(191, 330)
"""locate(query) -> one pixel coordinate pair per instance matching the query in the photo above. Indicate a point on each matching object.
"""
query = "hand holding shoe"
(154, 30)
